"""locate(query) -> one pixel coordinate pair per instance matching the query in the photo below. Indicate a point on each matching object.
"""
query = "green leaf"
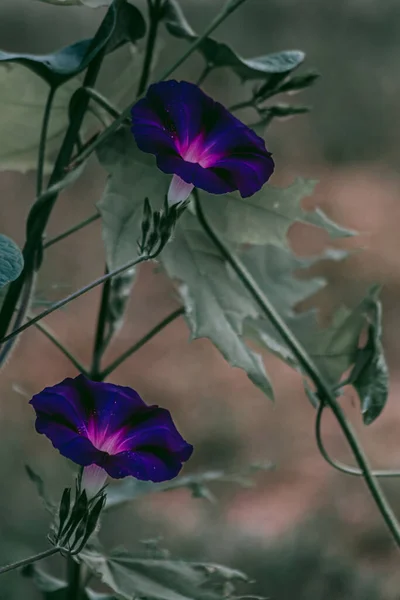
(53, 588)
(120, 24)
(218, 54)
(131, 489)
(370, 375)
(267, 216)
(41, 490)
(333, 348)
(216, 303)
(22, 99)
(159, 579)
(133, 176)
(11, 260)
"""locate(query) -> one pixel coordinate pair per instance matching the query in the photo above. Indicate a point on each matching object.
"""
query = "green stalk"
(339, 466)
(30, 560)
(77, 294)
(71, 230)
(308, 366)
(74, 591)
(43, 138)
(50, 335)
(153, 332)
(154, 18)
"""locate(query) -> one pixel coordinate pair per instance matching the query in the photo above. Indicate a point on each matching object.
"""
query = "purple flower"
(109, 426)
(199, 141)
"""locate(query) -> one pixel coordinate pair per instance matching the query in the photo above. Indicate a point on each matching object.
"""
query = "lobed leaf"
(333, 348)
(158, 579)
(267, 216)
(216, 303)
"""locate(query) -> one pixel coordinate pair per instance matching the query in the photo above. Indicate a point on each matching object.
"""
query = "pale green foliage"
(159, 578)
(216, 303)
(266, 217)
(332, 348)
(22, 98)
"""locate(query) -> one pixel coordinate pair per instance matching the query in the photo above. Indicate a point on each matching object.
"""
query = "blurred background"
(304, 531)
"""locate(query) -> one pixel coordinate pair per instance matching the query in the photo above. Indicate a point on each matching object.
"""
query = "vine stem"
(71, 230)
(100, 341)
(30, 560)
(154, 17)
(153, 332)
(80, 292)
(50, 335)
(306, 363)
(74, 591)
(43, 138)
(339, 466)
(100, 139)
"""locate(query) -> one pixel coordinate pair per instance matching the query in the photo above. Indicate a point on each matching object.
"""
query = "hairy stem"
(153, 332)
(307, 365)
(30, 560)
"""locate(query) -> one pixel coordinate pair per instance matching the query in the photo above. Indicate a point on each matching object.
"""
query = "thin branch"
(71, 230)
(43, 138)
(153, 332)
(30, 560)
(339, 466)
(49, 334)
(76, 294)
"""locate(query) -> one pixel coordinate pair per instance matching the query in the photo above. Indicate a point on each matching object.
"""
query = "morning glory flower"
(199, 141)
(109, 430)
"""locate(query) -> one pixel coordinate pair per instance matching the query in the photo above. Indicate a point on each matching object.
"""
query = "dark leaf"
(56, 589)
(299, 82)
(370, 375)
(218, 54)
(119, 25)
